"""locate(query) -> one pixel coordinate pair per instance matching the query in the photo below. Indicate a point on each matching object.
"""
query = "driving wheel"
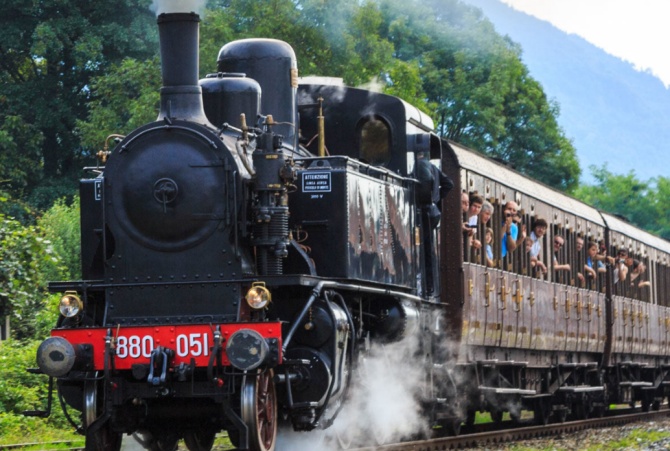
(98, 437)
(259, 410)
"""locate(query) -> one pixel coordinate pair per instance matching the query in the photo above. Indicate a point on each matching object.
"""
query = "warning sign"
(316, 182)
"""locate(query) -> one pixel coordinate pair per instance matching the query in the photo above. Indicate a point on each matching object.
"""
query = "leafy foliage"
(49, 191)
(441, 56)
(26, 257)
(644, 204)
(483, 95)
(19, 153)
(99, 64)
(124, 98)
(49, 50)
(19, 391)
(61, 227)
(659, 199)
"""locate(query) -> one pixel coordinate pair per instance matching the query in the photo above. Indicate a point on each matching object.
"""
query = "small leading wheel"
(102, 437)
(259, 410)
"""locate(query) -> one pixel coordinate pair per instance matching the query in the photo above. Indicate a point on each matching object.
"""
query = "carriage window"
(375, 142)
(562, 247)
(636, 279)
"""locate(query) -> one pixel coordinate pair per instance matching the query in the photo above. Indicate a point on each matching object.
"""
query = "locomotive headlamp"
(246, 349)
(70, 304)
(258, 296)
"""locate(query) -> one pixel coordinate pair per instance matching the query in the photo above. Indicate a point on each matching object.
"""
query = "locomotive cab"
(374, 128)
(387, 134)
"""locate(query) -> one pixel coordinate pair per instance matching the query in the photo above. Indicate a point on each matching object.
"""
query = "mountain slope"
(612, 113)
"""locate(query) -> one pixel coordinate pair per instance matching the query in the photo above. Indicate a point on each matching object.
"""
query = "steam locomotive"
(243, 253)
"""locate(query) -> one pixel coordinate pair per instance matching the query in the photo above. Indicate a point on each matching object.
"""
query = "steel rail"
(499, 436)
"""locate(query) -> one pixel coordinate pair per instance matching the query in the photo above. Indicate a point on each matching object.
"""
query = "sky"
(634, 30)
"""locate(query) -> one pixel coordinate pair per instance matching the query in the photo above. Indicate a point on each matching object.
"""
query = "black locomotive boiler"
(242, 254)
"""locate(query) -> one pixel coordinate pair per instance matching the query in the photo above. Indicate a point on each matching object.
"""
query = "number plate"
(134, 344)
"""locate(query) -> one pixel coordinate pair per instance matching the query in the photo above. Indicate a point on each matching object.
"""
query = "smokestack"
(181, 96)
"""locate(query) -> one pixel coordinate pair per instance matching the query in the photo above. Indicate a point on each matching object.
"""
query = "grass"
(33, 433)
(17, 429)
(636, 439)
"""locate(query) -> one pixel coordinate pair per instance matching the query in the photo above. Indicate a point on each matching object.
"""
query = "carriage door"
(522, 307)
(622, 325)
(477, 306)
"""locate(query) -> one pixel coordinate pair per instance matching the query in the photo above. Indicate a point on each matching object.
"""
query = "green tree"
(442, 56)
(534, 141)
(124, 98)
(404, 81)
(371, 53)
(49, 50)
(339, 38)
(240, 19)
(623, 195)
(20, 161)
(484, 96)
(334, 37)
(659, 199)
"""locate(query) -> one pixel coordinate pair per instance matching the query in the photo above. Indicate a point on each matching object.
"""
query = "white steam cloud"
(383, 406)
(178, 6)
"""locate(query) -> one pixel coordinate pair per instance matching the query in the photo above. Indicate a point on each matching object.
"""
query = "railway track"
(61, 445)
(481, 435)
(504, 435)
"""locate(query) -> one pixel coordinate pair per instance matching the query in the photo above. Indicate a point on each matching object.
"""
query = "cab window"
(375, 141)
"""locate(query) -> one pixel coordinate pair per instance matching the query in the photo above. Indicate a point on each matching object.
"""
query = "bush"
(27, 260)
(19, 391)
(61, 227)
(26, 257)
